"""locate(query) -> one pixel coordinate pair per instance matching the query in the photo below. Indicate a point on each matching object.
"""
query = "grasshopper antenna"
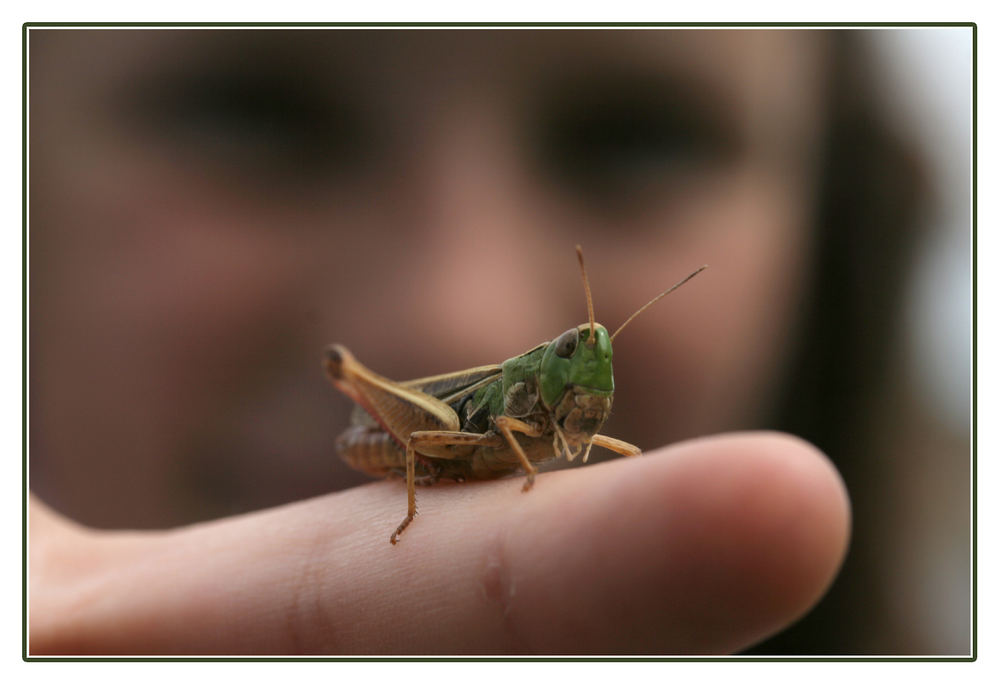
(655, 299)
(586, 287)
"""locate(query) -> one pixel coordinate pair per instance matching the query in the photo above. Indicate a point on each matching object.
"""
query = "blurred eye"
(607, 137)
(253, 121)
(566, 343)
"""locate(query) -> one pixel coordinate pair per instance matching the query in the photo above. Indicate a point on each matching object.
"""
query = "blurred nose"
(478, 263)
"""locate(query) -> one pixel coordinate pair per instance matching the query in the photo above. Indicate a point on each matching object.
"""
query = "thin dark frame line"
(26, 26)
(832, 24)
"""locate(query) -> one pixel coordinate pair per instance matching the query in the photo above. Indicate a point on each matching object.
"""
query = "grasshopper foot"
(529, 482)
(402, 526)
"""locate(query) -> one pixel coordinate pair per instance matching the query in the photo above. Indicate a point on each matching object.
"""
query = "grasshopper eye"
(566, 343)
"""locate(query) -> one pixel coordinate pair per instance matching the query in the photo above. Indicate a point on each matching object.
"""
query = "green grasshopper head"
(573, 360)
(577, 384)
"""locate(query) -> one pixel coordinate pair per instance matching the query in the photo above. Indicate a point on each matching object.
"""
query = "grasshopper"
(462, 425)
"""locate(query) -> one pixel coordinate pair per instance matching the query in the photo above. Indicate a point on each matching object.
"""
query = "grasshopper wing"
(453, 387)
(447, 387)
(456, 386)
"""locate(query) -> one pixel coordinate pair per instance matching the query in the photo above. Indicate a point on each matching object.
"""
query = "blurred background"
(209, 209)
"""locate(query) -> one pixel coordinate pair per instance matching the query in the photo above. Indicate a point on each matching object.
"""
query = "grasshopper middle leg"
(507, 426)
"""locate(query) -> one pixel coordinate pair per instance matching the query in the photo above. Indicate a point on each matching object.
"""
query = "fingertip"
(765, 518)
(707, 546)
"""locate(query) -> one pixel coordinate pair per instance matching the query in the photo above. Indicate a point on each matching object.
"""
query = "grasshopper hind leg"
(411, 494)
(440, 445)
(426, 473)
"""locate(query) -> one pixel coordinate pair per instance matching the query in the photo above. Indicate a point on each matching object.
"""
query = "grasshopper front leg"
(623, 448)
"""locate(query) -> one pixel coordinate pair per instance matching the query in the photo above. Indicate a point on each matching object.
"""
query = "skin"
(701, 548)
(199, 281)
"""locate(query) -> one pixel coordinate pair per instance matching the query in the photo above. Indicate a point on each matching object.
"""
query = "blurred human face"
(209, 209)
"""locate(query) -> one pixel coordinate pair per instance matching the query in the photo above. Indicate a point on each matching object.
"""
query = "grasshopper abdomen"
(370, 450)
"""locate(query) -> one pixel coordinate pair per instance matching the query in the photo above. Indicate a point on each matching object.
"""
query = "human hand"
(703, 547)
